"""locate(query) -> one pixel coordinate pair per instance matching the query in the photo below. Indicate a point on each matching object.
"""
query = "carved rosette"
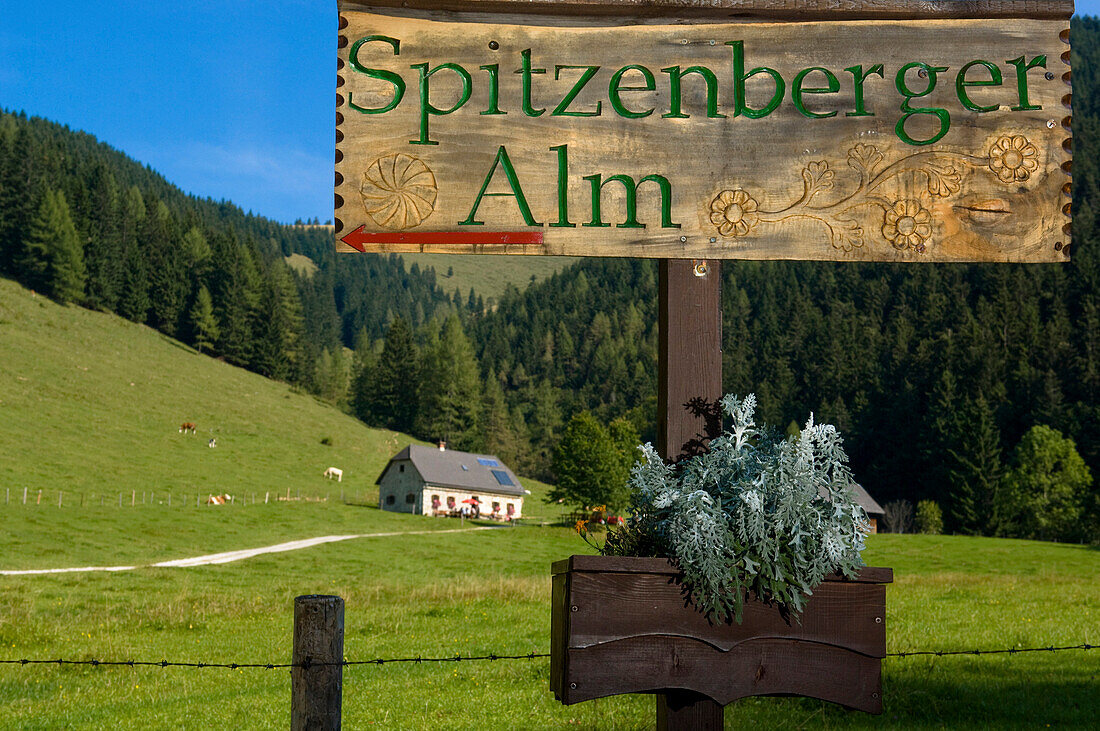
(1013, 158)
(908, 225)
(398, 191)
(734, 212)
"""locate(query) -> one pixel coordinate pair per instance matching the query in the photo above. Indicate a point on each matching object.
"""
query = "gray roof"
(462, 470)
(866, 501)
(863, 499)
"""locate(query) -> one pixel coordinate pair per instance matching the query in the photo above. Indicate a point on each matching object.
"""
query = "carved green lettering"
(615, 87)
(563, 188)
(494, 88)
(562, 110)
(903, 89)
(858, 79)
(631, 189)
(1021, 80)
(426, 107)
(797, 90)
(962, 83)
(740, 103)
(390, 76)
(675, 74)
(526, 70)
(505, 163)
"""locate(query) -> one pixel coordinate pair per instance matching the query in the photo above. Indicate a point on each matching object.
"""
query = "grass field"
(484, 592)
(90, 405)
(488, 275)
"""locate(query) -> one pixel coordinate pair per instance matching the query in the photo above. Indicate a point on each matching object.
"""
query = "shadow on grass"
(942, 695)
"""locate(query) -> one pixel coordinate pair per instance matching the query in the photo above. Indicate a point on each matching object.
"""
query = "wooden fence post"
(317, 689)
(688, 415)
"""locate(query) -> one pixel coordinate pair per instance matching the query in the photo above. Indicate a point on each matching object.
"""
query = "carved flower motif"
(1013, 158)
(908, 225)
(734, 212)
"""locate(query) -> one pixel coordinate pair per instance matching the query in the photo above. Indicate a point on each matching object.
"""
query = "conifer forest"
(951, 383)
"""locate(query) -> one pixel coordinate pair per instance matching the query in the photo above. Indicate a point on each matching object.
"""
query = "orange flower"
(581, 526)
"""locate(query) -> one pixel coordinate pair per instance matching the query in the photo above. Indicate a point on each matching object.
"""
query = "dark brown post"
(316, 687)
(689, 387)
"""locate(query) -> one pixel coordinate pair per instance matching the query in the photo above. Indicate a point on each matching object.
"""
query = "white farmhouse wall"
(396, 487)
(446, 495)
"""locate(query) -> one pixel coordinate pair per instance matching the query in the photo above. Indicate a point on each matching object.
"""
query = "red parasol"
(471, 501)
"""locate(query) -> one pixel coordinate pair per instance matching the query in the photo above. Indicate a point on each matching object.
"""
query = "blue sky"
(226, 99)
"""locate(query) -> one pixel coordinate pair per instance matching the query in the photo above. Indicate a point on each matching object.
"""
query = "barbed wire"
(1009, 651)
(272, 665)
(492, 657)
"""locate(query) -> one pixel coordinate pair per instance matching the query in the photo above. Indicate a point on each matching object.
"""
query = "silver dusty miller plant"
(757, 512)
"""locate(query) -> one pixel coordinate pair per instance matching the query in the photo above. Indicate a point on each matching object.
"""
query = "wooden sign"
(910, 137)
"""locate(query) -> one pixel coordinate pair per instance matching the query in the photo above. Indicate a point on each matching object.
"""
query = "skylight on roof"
(486, 462)
(503, 478)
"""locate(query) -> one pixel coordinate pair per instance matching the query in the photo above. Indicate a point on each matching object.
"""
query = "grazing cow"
(212, 443)
(335, 472)
(218, 499)
(187, 427)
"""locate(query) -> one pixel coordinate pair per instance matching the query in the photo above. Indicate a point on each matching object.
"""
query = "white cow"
(219, 499)
(335, 472)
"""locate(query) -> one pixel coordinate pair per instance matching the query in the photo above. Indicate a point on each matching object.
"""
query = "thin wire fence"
(492, 657)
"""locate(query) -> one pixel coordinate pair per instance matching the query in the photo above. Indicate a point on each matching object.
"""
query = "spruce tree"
(52, 259)
(497, 435)
(103, 246)
(204, 326)
(976, 470)
(450, 389)
(391, 395)
(133, 297)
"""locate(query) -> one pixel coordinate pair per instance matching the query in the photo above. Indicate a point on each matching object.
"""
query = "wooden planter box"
(621, 625)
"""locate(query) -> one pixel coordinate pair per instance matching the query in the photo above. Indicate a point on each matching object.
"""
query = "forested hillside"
(83, 223)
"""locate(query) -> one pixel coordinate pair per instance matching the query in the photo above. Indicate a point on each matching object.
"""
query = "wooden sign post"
(698, 130)
(689, 386)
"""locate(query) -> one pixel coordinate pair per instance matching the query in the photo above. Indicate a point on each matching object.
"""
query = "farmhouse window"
(390, 500)
(410, 498)
(450, 502)
(401, 468)
(435, 501)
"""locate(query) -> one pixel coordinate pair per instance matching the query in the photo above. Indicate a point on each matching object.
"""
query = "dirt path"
(230, 556)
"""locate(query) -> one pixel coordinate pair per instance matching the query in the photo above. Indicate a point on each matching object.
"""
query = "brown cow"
(186, 427)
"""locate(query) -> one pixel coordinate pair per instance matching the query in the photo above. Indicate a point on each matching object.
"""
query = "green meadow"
(468, 272)
(90, 406)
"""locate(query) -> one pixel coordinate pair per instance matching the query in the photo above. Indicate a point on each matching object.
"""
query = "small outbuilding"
(870, 506)
(440, 481)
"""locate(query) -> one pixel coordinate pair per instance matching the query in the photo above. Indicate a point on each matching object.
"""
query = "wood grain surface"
(764, 667)
(633, 564)
(791, 184)
(851, 616)
(770, 9)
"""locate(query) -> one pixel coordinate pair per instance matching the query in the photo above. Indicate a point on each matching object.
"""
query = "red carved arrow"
(359, 238)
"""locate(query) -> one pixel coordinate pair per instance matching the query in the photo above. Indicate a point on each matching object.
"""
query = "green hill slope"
(91, 404)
